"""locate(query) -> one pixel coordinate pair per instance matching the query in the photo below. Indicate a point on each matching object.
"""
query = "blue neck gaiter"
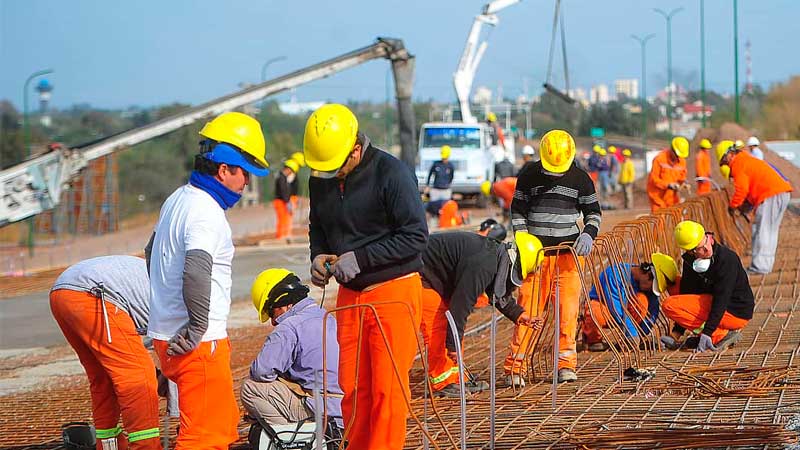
(224, 196)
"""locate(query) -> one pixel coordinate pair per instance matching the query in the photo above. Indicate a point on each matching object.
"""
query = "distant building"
(294, 107)
(579, 94)
(599, 94)
(627, 88)
(693, 111)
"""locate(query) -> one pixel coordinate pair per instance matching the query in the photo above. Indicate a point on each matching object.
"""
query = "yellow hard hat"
(329, 138)
(725, 170)
(445, 151)
(292, 164)
(739, 144)
(688, 234)
(612, 149)
(596, 148)
(240, 131)
(260, 291)
(626, 152)
(299, 158)
(722, 148)
(557, 151)
(491, 117)
(530, 256)
(665, 270)
(486, 188)
(705, 144)
(602, 152)
(681, 146)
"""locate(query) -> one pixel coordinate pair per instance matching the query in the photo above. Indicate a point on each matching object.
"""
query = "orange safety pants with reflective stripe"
(441, 369)
(691, 311)
(602, 316)
(283, 219)
(122, 376)
(209, 413)
(374, 408)
(536, 291)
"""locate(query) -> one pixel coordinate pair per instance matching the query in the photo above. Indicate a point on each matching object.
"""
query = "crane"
(34, 186)
(473, 52)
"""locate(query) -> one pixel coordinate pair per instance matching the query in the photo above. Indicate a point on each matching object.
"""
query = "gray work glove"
(705, 344)
(583, 245)
(346, 268)
(674, 186)
(319, 271)
(669, 342)
(183, 342)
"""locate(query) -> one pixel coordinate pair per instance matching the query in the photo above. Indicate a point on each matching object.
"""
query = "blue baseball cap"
(223, 153)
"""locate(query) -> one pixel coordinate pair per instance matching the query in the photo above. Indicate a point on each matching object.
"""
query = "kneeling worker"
(282, 378)
(457, 268)
(102, 306)
(715, 294)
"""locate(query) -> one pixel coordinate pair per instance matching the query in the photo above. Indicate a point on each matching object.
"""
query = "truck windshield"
(461, 137)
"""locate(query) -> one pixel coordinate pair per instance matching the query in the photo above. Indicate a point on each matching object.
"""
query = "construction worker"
(102, 306)
(295, 184)
(627, 175)
(528, 157)
(702, 167)
(614, 163)
(757, 186)
(647, 281)
(288, 368)
(604, 172)
(503, 190)
(668, 175)
(190, 279)
(493, 230)
(450, 216)
(548, 201)
(497, 131)
(457, 268)
(442, 172)
(284, 208)
(504, 169)
(367, 229)
(715, 297)
(752, 146)
(594, 163)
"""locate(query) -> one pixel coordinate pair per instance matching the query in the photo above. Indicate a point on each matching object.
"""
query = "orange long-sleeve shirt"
(667, 168)
(702, 168)
(754, 180)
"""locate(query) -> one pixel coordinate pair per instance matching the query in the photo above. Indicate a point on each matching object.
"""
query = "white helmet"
(528, 150)
(753, 141)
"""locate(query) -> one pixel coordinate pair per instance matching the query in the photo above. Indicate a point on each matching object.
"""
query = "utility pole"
(703, 63)
(668, 17)
(643, 95)
(26, 128)
(736, 56)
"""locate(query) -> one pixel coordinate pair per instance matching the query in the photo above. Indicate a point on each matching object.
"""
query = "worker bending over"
(289, 366)
(367, 229)
(284, 208)
(647, 281)
(549, 199)
(757, 185)
(493, 230)
(102, 306)
(715, 295)
(189, 257)
(668, 175)
(702, 167)
(457, 268)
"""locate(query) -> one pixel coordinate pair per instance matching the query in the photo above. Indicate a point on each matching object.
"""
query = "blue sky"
(148, 52)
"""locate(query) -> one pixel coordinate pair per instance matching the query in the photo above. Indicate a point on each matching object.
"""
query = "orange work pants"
(374, 405)
(703, 187)
(601, 315)
(691, 311)
(209, 413)
(122, 376)
(283, 219)
(441, 369)
(538, 289)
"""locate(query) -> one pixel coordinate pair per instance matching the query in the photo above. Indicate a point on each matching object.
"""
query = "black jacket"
(375, 212)
(460, 266)
(442, 173)
(727, 283)
(282, 188)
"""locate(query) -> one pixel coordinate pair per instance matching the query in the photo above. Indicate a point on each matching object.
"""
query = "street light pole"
(266, 64)
(643, 43)
(26, 132)
(668, 17)
(703, 63)
(736, 56)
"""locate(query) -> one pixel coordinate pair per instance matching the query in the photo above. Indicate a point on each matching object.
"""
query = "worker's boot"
(729, 340)
(515, 381)
(470, 387)
(567, 375)
(598, 347)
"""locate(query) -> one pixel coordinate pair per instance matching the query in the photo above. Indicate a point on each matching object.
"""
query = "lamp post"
(736, 56)
(703, 63)
(266, 64)
(26, 127)
(643, 43)
(668, 17)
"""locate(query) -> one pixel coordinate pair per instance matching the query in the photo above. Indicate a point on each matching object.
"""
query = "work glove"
(705, 344)
(183, 342)
(583, 245)
(674, 186)
(669, 342)
(346, 268)
(532, 322)
(320, 269)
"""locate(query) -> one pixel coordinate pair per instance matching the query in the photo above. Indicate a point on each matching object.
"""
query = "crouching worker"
(647, 280)
(457, 268)
(102, 306)
(279, 391)
(715, 297)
